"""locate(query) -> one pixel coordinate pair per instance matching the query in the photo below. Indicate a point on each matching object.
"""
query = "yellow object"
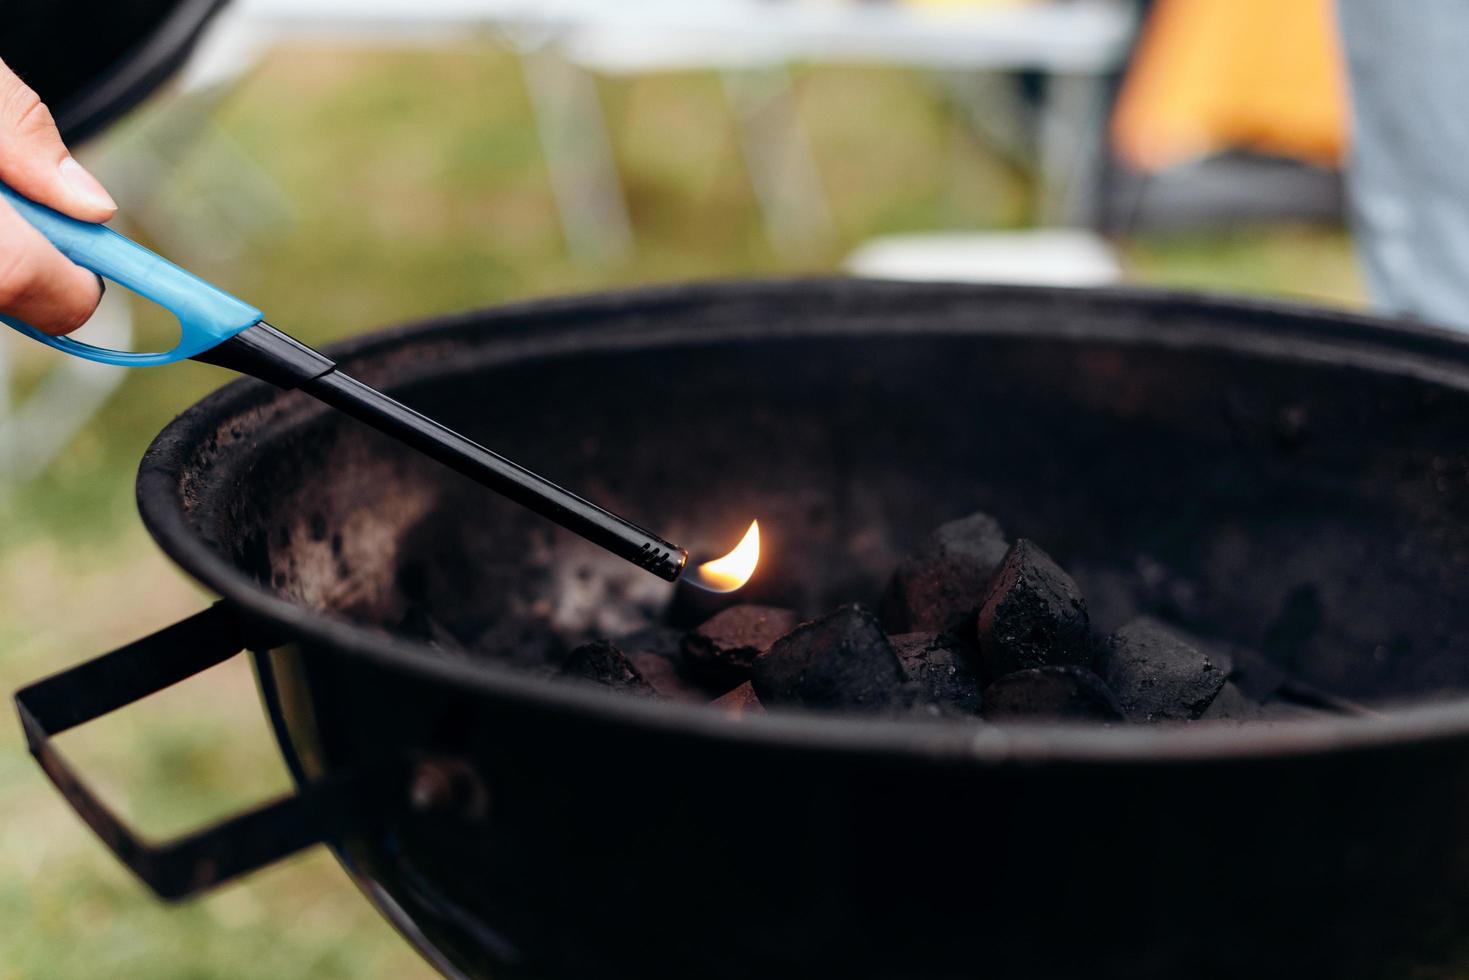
(1214, 75)
(733, 570)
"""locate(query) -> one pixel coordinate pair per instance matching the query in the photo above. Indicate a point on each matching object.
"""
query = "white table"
(1075, 43)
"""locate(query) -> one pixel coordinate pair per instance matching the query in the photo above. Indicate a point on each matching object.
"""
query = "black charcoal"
(723, 650)
(603, 663)
(1232, 704)
(936, 671)
(656, 653)
(1158, 675)
(1033, 616)
(941, 584)
(842, 660)
(740, 702)
(1057, 693)
(667, 678)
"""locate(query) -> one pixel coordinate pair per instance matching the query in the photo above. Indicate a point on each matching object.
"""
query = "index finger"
(35, 161)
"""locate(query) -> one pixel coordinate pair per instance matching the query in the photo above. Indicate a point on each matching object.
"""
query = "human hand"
(39, 285)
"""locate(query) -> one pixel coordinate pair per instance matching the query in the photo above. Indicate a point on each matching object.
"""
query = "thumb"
(35, 162)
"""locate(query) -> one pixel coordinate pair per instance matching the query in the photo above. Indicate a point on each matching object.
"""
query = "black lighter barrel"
(264, 352)
(622, 538)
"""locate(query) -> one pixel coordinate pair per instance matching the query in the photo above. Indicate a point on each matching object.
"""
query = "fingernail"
(87, 186)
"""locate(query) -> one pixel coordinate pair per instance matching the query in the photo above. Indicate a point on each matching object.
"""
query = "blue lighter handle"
(208, 316)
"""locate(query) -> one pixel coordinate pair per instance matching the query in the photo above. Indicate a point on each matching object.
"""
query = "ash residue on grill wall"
(1007, 637)
(1157, 480)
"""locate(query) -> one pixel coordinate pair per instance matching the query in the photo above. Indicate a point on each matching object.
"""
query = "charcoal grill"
(1304, 471)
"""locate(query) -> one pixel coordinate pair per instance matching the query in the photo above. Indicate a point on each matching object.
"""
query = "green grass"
(1298, 263)
(415, 186)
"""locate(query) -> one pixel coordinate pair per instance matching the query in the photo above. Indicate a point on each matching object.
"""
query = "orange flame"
(734, 569)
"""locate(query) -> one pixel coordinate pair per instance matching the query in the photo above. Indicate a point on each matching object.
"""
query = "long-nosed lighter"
(217, 328)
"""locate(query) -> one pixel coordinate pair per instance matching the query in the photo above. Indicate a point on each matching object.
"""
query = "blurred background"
(352, 165)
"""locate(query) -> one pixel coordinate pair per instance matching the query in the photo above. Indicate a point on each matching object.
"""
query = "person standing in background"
(1377, 88)
(1408, 170)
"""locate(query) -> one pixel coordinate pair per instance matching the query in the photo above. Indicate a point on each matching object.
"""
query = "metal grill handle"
(193, 863)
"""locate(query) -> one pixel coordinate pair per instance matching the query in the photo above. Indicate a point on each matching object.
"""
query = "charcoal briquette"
(842, 660)
(740, 702)
(723, 650)
(1055, 693)
(656, 653)
(1033, 616)
(940, 585)
(1232, 704)
(666, 677)
(1158, 675)
(603, 663)
(934, 666)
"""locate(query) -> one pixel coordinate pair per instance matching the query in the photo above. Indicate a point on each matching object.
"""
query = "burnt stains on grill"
(1033, 616)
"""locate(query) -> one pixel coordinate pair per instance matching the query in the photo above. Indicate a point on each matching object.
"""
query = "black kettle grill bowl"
(1305, 471)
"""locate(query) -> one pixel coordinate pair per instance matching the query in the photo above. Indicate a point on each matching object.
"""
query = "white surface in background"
(1079, 36)
(1076, 42)
(1043, 257)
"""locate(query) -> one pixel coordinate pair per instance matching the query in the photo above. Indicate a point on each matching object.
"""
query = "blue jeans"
(1408, 173)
